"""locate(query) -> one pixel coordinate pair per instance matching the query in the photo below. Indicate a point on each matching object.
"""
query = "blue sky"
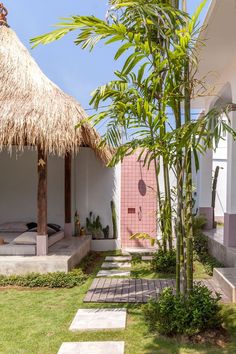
(76, 71)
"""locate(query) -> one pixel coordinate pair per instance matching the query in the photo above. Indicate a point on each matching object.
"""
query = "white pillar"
(204, 189)
(230, 215)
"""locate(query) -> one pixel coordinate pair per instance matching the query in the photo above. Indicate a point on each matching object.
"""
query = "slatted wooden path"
(126, 290)
(115, 290)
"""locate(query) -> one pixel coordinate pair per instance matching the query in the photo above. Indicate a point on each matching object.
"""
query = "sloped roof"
(34, 111)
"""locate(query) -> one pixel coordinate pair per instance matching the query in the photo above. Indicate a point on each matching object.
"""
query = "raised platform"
(105, 245)
(63, 256)
(225, 255)
(226, 278)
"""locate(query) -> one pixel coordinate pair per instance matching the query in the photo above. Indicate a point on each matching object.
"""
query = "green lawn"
(143, 270)
(37, 321)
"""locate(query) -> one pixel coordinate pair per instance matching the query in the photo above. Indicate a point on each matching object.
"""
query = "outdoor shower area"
(138, 201)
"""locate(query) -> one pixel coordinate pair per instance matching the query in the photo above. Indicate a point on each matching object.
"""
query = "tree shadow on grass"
(229, 315)
(143, 270)
(165, 345)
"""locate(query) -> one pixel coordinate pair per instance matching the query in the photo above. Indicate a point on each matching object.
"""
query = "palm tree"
(157, 40)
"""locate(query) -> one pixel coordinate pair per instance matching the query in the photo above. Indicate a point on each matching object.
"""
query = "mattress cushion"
(27, 238)
(30, 237)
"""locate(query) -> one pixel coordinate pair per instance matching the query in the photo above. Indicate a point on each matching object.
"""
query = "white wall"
(95, 187)
(220, 207)
(220, 159)
(161, 178)
(208, 164)
(18, 187)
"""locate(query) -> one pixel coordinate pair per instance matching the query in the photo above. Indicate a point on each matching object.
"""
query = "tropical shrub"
(201, 253)
(136, 258)
(175, 314)
(50, 280)
(164, 261)
(200, 244)
(199, 222)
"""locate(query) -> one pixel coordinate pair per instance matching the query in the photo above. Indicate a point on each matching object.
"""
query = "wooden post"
(68, 218)
(42, 237)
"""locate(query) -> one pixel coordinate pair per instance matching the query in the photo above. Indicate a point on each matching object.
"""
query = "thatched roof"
(34, 111)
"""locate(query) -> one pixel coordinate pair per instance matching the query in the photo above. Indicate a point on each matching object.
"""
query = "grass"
(37, 321)
(143, 270)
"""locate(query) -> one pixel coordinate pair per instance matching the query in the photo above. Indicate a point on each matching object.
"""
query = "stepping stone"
(118, 259)
(114, 265)
(99, 319)
(92, 348)
(147, 258)
(113, 273)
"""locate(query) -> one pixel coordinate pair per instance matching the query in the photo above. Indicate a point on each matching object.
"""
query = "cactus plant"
(114, 220)
(94, 227)
(106, 232)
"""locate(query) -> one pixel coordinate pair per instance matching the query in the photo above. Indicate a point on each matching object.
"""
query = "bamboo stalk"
(180, 264)
(159, 198)
(188, 213)
(168, 206)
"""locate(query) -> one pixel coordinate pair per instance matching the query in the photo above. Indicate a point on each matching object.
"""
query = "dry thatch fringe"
(34, 111)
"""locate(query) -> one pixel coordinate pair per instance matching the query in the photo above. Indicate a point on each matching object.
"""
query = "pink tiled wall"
(137, 194)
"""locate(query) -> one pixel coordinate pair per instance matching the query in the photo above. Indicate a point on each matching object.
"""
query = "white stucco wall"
(208, 164)
(220, 207)
(18, 187)
(93, 187)
(220, 159)
(161, 178)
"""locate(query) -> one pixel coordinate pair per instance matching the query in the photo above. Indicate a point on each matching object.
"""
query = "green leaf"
(122, 50)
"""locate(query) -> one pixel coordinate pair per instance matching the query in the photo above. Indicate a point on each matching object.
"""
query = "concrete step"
(138, 250)
(113, 273)
(118, 259)
(147, 258)
(115, 265)
(226, 278)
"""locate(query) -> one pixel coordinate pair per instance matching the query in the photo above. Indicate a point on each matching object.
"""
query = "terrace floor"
(62, 257)
(226, 255)
(216, 234)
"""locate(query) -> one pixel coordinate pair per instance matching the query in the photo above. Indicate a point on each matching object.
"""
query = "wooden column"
(42, 238)
(68, 175)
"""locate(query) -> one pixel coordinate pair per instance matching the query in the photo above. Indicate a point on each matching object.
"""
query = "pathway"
(136, 290)
(100, 319)
(107, 289)
(126, 290)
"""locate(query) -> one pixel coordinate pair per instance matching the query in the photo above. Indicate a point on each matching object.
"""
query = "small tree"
(158, 41)
(143, 28)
